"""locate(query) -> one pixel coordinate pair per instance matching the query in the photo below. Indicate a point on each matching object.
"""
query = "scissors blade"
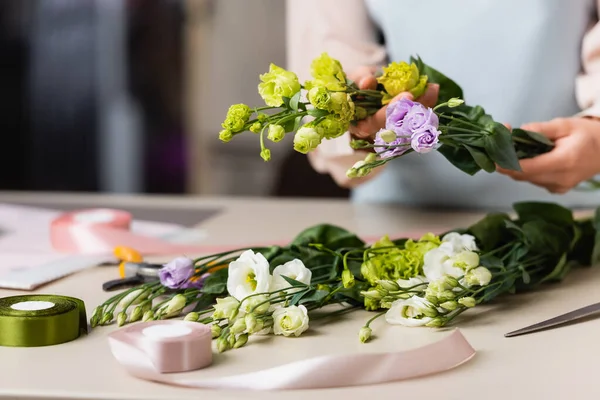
(561, 319)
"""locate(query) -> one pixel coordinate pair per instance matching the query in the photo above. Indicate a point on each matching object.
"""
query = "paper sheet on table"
(27, 259)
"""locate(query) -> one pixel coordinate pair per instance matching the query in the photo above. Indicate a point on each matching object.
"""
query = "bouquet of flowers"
(467, 137)
(423, 282)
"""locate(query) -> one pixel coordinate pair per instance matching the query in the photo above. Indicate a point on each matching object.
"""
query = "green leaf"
(289, 125)
(270, 253)
(500, 147)
(316, 296)
(297, 122)
(293, 282)
(332, 237)
(549, 212)
(538, 137)
(460, 158)
(216, 283)
(317, 113)
(448, 88)
(286, 101)
(545, 238)
(294, 102)
(482, 159)
(559, 271)
(296, 298)
(205, 302)
(490, 230)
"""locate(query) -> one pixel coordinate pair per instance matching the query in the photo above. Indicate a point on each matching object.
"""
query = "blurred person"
(523, 61)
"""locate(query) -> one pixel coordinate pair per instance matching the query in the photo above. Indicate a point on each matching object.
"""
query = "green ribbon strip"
(63, 322)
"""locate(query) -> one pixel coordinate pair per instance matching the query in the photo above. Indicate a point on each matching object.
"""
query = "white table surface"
(555, 364)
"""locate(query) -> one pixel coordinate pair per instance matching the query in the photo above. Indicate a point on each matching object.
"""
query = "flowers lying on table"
(429, 281)
(468, 137)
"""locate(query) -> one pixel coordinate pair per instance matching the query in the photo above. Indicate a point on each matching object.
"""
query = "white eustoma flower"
(460, 242)
(478, 276)
(438, 263)
(292, 320)
(409, 312)
(408, 283)
(248, 274)
(294, 269)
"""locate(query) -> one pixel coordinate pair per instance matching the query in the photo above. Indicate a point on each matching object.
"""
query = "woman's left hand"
(575, 158)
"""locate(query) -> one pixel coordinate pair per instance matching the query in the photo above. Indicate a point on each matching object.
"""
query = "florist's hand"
(575, 158)
(365, 79)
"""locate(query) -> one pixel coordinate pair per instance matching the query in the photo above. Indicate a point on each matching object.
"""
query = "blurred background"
(127, 96)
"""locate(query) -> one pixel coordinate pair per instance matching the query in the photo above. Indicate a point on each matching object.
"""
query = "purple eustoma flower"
(422, 123)
(176, 273)
(395, 113)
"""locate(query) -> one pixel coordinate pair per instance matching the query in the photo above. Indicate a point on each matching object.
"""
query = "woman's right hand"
(365, 79)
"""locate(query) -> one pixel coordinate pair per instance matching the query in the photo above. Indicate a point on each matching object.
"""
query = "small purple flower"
(425, 141)
(395, 113)
(420, 118)
(176, 273)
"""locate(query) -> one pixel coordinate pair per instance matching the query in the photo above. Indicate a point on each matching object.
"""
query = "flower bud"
(106, 318)
(222, 344)
(122, 318)
(467, 302)
(148, 316)
(446, 295)
(175, 305)
(371, 157)
(360, 113)
(226, 308)
(192, 317)
(436, 323)
(432, 299)
(449, 305)
(256, 127)
(225, 135)
(94, 321)
(231, 340)
(364, 334)
(347, 278)
(450, 281)
(372, 294)
(352, 173)
(276, 133)
(136, 314)
(388, 136)
(478, 276)
(241, 340)
(256, 304)
(371, 304)
(390, 286)
(321, 286)
(215, 330)
(262, 117)
(99, 311)
(265, 154)
(134, 297)
(238, 326)
(430, 312)
(455, 102)
(253, 324)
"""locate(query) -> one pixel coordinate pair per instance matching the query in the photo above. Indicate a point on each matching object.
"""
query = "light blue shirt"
(517, 58)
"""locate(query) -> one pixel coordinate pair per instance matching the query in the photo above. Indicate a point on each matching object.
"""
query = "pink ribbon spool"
(171, 346)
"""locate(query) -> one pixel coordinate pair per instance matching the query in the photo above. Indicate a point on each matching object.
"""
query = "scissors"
(132, 270)
(575, 315)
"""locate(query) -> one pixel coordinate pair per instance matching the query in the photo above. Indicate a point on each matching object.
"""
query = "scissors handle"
(123, 283)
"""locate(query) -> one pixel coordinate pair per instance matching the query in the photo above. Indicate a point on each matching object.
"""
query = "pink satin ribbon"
(145, 360)
(99, 231)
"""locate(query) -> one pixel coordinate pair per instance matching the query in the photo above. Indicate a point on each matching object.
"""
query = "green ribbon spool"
(61, 322)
